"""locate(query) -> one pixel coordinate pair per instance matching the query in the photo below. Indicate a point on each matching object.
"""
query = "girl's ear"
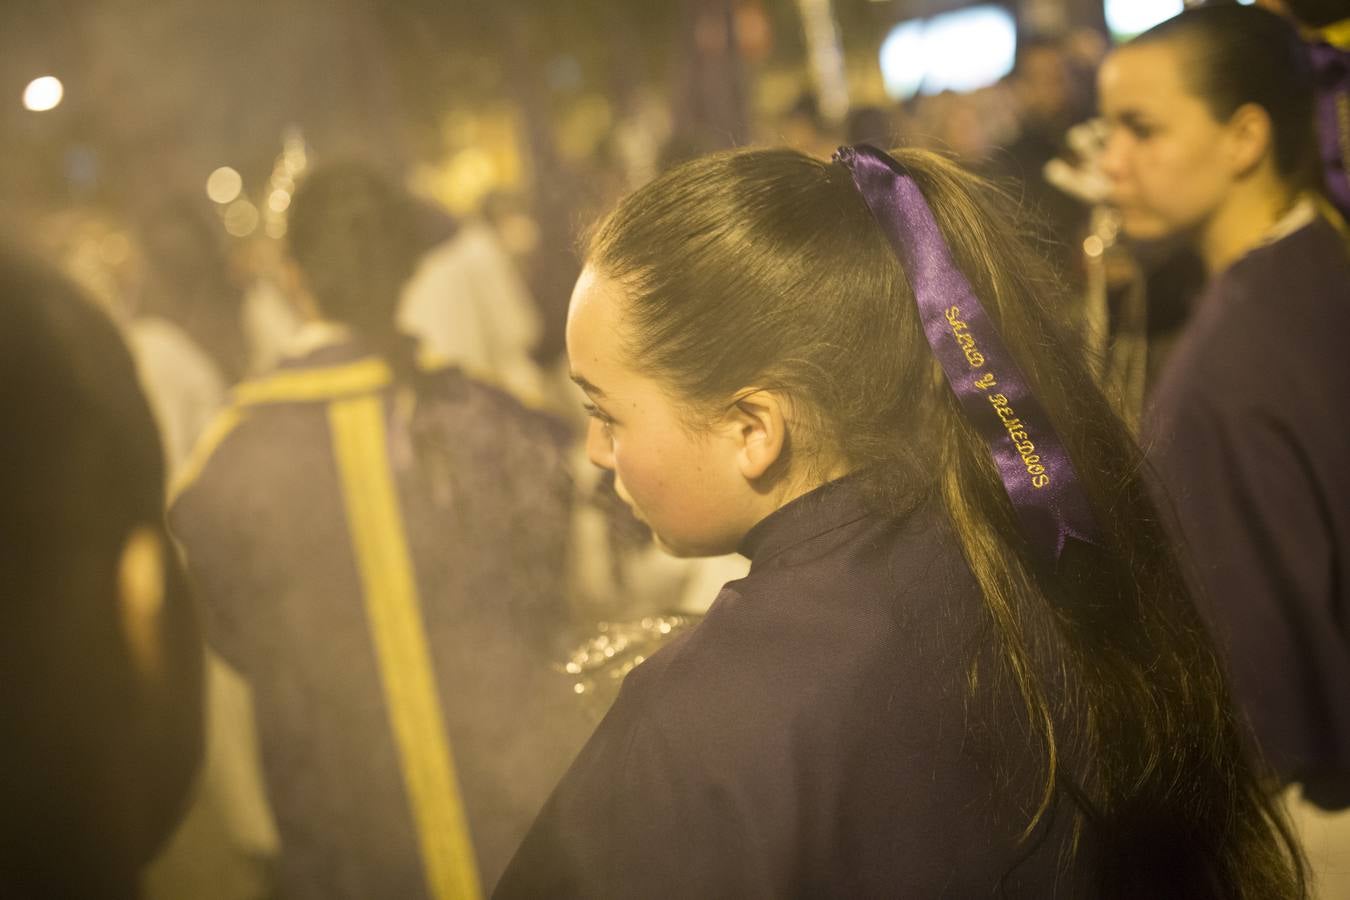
(759, 431)
(1248, 138)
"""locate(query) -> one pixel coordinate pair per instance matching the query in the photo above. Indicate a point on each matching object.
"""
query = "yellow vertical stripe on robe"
(396, 625)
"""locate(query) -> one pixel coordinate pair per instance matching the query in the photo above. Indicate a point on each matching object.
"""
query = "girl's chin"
(697, 547)
(675, 550)
(1142, 225)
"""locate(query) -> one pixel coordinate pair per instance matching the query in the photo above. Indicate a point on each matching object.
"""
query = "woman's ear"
(140, 599)
(1249, 138)
(759, 423)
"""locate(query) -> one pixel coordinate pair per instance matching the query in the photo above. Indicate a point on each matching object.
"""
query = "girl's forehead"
(591, 311)
(1145, 75)
(594, 318)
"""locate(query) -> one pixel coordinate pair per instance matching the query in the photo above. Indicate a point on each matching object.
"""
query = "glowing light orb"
(963, 50)
(241, 218)
(224, 184)
(1126, 18)
(43, 93)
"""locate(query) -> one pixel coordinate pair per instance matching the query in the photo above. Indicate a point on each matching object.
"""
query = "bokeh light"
(1126, 18)
(241, 218)
(957, 51)
(43, 93)
(224, 184)
(903, 62)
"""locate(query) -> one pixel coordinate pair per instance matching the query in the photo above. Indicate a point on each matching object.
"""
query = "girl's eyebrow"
(586, 385)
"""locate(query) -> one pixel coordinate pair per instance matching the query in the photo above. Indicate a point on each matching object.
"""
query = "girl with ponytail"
(965, 662)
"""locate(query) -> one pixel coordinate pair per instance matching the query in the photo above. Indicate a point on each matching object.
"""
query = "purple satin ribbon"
(996, 396)
(1331, 72)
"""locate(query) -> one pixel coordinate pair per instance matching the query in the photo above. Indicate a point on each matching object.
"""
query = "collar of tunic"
(828, 507)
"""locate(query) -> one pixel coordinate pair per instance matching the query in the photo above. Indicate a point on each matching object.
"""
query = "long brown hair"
(765, 268)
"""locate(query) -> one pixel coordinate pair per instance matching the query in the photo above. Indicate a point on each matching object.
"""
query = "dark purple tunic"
(813, 736)
(268, 541)
(1249, 431)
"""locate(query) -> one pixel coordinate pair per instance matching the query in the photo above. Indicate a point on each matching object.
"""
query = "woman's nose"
(1113, 160)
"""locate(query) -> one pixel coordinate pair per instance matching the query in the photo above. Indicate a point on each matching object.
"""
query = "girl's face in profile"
(1165, 155)
(684, 482)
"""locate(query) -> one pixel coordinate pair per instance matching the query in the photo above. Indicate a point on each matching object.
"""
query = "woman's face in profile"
(686, 486)
(1164, 153)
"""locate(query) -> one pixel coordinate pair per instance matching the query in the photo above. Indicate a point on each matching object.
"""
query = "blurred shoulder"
(1291, 282)
(1269, 330)
(485, 409)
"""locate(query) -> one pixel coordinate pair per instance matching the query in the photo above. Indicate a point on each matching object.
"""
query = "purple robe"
(813, 736)
(1249, 434)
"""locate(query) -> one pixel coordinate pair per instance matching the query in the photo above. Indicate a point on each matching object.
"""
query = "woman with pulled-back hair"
(1213, 140)
(377, 542)
(965, 662)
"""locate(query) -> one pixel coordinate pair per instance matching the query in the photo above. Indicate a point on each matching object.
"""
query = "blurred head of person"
(190, 279)
(356, 238)
(99, 649)
(954, 123)
(1041, 78)
(100, 255)
(803, 126)
(509, 215)
(1211, 127)
(869, 125)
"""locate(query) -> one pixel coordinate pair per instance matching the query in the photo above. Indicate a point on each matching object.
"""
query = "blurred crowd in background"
(160, 176)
